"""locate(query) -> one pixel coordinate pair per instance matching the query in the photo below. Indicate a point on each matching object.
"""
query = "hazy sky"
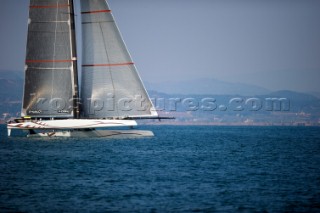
(270, 43)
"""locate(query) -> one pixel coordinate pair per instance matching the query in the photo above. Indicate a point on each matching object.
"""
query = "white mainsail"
(111, 86)
(50, 71)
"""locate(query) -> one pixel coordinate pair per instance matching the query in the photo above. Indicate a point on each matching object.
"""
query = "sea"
(180, 169)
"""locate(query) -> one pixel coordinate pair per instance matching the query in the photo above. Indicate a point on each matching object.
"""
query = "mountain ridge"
(11, 82)
(207, 86)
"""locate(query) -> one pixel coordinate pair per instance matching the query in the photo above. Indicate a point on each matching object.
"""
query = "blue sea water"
(181, 169)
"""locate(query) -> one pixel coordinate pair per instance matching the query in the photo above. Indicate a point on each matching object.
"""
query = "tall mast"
(76, 109)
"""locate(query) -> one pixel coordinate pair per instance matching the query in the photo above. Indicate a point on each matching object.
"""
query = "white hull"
(95, 134)
(69, 124)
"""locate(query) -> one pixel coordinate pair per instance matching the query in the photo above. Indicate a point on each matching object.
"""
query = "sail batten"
(48, 6)
(111, 86)
(96, 11)
(108, 65)
(48, 61)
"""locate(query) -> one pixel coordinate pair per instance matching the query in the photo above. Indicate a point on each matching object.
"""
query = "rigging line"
(112, 82)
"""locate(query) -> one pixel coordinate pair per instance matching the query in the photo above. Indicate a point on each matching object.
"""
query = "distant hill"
(11, 75)
(299, 102)
(297, 109)
(11, 85)
(315, 94)
(297, 96)
(206, 86)
(11, 88)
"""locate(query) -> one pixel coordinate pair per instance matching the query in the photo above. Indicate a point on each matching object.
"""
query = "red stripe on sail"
(50, 6)
(48, 61)
(97, 11)
(107, 65)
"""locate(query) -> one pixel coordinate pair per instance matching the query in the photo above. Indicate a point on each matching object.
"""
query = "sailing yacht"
(112, 93)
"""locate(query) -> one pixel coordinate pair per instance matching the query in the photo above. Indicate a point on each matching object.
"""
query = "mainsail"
(50, 73)
(111, 86)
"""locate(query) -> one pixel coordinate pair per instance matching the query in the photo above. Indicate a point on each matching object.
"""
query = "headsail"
(50, 75)
(111, 86)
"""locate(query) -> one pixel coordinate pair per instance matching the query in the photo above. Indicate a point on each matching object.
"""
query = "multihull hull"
(95, 134)
(69, 124)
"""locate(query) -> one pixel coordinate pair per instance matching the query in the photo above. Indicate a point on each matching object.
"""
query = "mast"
(76, 109)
